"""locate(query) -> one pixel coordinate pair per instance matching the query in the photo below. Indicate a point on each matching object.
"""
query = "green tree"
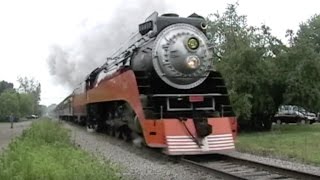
(302, 69)
(308, 35)
(246, 56)
(4, 85)
(9, 104)
(32, 87)
(25, 104)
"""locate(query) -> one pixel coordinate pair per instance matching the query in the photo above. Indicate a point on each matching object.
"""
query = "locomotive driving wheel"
(110, 130)
(131, 119)
(119, 123)
(118, 133)
(126, 134)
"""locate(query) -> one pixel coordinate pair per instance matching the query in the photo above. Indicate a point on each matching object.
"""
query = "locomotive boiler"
(159, 88)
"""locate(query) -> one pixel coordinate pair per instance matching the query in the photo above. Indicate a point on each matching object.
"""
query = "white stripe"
(197, 149)
(186, 144)
(191, 140)
(182, 143)
(220, 142)
(182, 147)
(200, 150)
(184, 150)
(220, 135)
(179, 140)
(196, 146)
(193, 143)
(210, 136)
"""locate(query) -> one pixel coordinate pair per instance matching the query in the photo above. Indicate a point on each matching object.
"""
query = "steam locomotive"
(160, 89)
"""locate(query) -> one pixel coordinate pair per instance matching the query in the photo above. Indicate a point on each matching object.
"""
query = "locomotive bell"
(181, 57)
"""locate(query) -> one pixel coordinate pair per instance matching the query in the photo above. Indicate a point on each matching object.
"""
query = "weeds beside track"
(291, 142)
(45, 152)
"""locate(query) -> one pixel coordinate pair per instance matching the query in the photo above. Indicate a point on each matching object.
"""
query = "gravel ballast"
(278, 162)
(135, 163)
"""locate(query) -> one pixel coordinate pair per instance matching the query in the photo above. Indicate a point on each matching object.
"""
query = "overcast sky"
(28, 29)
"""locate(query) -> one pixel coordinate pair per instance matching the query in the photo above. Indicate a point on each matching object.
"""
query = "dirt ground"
(6, 133)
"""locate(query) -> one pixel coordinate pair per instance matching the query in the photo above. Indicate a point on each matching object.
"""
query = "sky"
(57, 42)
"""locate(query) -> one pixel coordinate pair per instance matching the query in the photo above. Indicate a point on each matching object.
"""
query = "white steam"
(70, 65)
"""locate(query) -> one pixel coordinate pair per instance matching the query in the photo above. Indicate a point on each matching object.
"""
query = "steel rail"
(214, 171)
(273, 168)
(260, 166)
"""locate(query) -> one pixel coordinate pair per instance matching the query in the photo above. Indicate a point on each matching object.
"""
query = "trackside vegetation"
(45, 152)
(263, 72)
(291, 142)
(22, 101)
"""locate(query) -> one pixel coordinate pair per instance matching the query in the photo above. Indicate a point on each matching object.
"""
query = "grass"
(45, 152)
(291, 142)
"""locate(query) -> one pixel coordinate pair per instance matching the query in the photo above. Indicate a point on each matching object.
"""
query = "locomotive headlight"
(193, 62)
(193, 43)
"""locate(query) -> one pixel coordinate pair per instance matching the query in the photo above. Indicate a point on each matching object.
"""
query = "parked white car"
(311, 117)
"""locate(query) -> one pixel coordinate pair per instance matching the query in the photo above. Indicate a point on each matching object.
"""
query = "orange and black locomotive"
(161, 89)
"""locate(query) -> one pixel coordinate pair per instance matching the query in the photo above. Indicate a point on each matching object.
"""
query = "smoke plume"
(70, 65)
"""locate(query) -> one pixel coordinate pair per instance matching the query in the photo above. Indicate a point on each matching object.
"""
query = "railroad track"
(228, 167)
